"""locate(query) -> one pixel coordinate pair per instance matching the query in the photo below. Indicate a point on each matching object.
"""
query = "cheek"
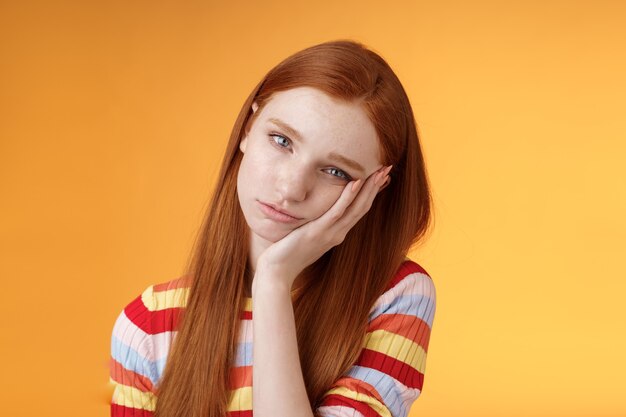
(254, 173)
(327, 198)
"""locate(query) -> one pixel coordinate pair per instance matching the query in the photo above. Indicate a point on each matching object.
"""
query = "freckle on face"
(325, 125)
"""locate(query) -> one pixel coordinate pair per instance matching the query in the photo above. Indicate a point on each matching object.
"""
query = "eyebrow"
(333, 155)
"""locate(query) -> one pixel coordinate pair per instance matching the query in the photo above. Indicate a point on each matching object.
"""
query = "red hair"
(348, 278)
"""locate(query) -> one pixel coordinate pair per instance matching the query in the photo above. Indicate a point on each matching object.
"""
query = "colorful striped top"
(384, 381)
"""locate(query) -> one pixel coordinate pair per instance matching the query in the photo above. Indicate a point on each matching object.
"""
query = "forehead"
(331, 124)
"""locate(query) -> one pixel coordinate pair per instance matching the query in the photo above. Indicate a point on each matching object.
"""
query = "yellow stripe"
(398, 347)
(161, 300)
(134, 398)
(240, 399)
(371, 401)
(174, 298)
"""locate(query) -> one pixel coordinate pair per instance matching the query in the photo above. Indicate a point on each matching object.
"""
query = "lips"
(278, 209)
(278, 216)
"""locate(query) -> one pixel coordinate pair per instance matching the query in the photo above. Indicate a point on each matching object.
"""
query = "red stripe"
(159, 321)
(240, 376)
(122, 411)
(335, 399)
(408, 267)
(242, 413)
(411, 327)
(153, 322)
(399, 370)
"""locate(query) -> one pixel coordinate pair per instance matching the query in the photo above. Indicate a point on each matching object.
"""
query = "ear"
(243, 143)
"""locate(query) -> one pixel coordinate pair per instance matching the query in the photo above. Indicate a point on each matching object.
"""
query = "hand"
(304, 245)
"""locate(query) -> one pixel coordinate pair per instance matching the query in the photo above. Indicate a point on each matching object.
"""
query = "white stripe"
(413, 283)
(338, 411)
(131, 335)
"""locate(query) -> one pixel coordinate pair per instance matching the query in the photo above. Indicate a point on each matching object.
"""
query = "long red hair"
(348, 278)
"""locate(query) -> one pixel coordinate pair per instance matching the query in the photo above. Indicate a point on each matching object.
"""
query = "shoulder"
(166, 296)
(409, 271)
(144, 330)
(157, 308)
(411, 291)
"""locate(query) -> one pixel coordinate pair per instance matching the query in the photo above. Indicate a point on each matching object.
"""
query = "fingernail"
(378, 177)
(356, 184)
(381, 176)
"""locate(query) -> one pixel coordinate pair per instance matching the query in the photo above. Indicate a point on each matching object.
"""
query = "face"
(302, 150)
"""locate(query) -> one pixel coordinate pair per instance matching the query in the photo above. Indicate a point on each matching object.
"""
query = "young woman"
(322, 192)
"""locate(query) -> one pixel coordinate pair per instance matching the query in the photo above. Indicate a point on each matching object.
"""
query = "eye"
(342, 174)
(274, 135)
(275, 139)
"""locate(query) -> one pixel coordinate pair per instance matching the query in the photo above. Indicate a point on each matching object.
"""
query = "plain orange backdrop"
(114, 116)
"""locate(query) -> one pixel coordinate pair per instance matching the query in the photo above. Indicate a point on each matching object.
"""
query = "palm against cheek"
(307, 243)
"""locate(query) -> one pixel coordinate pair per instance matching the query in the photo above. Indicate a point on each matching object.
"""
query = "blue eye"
(273, 135)
(342, 175)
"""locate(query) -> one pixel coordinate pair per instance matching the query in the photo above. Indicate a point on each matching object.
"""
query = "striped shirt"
(384, 381)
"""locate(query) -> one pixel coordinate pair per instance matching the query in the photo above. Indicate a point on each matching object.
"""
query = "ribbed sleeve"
(141, 340)
(388, 376)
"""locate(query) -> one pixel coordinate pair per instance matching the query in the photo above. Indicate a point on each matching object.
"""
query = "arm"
(278, 385)
(131, 365)
(388, 376)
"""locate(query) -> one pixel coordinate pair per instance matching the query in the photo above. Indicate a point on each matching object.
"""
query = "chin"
(270, 233)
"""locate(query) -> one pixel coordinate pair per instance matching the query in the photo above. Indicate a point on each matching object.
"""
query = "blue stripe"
(418, 305)
(386, 387)
(243, 357)
(130, 359)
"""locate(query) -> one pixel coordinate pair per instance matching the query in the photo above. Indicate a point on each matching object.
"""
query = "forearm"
(278, 388)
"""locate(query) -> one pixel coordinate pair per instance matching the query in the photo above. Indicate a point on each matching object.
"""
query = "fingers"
(364, 190)
(383, 176)
(355, 200)
(350, 191)
(376, 181)
(363, 198)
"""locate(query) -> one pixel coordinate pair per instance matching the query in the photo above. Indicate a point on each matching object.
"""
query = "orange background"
(114, 117)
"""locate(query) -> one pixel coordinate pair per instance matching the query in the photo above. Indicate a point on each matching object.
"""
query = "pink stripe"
(245, 332)
(339, 411)
(132, 336)
(413, 284)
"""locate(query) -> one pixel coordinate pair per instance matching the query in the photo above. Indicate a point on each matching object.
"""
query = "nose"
(293, 182)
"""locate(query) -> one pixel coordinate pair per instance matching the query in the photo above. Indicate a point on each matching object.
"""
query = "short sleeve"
(133, 370)
(388, 376)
